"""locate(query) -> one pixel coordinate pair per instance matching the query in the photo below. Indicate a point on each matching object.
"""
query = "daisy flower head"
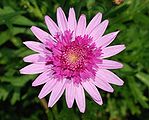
(71, 58)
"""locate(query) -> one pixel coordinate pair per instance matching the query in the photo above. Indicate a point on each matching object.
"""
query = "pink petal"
(70, 94)
(42, 78)
(57, 92)
(110, 77)
(93, 23)
(40, 34)
(52, 27)
(34, 68)
(92, 91)
(99, 30)
(72, 22)
(61, 19)
(80, 97)
(103, 84)
(35, 46)
(47, 88)
(34, 58)
(110, 64)
(81, 26)
(106, 39)
(112, 50)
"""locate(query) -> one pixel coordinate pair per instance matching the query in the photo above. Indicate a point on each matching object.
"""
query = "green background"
(18, 99)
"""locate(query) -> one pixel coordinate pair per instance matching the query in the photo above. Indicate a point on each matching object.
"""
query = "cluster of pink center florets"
(74, 59)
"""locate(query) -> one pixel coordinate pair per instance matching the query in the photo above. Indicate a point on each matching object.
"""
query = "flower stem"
(47, 111)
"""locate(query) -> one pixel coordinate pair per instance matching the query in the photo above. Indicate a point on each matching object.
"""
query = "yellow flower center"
(73, 57)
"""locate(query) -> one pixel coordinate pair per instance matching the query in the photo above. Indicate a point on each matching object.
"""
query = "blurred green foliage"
(18, 100)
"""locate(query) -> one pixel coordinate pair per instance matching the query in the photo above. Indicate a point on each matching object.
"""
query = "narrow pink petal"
(92, 91)
(110, 77)
(40, 34)
(47, 88)
(99, 30)
(80, 97)
(112, 50)
(106, 39)
(102, 84)
(81, 26)
(43, 78)
(35, 46)
(70, 94)
(61, 19)
(93, 23)
(57, 92)
(72, 22)
(34, 58)
(52, 27)
(110, 64)
(34, 68)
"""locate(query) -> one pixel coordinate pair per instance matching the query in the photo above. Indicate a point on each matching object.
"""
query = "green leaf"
(21, 20)
(136, 92)
(7, 14)
(15, 97)
(3, 93)
(143, 77)
(4, 37)
(17, 81)
(8, 34)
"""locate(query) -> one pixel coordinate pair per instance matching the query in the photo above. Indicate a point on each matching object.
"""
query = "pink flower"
(73, 58)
